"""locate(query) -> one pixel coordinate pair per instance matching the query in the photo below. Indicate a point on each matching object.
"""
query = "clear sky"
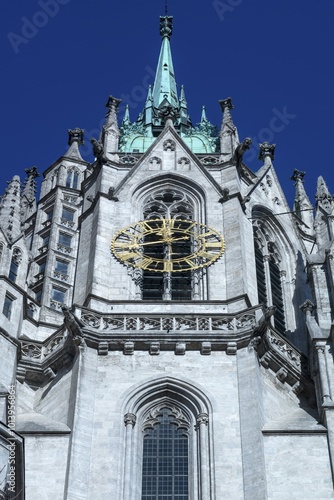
(61, 60)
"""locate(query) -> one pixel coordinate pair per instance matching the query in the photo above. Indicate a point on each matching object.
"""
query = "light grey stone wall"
(46, 461)
(298, 467)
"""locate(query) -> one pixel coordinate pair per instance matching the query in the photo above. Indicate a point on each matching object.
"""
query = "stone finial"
(267, 150)
(113, 103)
(30, 186)
(297, 175)
(76, 135)
(166, 26)
(226, 104)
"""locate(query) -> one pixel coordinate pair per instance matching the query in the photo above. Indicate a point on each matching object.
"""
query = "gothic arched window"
(269, 273)
(72, 178)
(168, 450)
(165, 470)
(168, 204)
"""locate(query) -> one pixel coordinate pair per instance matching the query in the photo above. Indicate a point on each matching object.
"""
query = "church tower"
(165, 317)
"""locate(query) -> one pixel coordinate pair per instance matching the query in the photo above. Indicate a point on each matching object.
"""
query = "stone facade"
(239, 353)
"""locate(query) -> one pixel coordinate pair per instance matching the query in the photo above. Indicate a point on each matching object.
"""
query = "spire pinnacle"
(164, 84)
(302, 205)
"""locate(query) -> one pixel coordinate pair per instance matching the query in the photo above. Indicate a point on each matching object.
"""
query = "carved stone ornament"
(130, 419)
(169, 145)
(76, 135)
(267, 149)
(179, 417)
(202, 419)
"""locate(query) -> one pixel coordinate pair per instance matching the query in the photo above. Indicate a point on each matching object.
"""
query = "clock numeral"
(145, 263)
(168, 266)
(127, 255)
(190, 263)
(206, 255)
(212, 244)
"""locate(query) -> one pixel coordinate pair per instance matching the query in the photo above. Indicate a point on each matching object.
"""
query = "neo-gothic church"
(165, 317)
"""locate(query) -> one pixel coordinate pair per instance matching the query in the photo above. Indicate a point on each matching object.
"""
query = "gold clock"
(167, 245)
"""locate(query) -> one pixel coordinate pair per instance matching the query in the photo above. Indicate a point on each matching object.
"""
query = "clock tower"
(166, 318)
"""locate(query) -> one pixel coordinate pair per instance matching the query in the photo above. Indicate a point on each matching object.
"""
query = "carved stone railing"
(114, 322)
(54, 304)
(59, 275)
(63, 248)
(41, 350)
(284, 348)
(67, 223)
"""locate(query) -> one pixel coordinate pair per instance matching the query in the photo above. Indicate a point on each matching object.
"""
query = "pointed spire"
(302, 205)
(324, 223)
(323, 195)
(203, 116)
(110, 133)
(148, 112)
(10, 209)
(28, 199)
(126, 119)
(229, 138)
(165, 84)
(75, 139)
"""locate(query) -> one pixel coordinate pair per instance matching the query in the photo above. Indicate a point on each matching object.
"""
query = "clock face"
(167, 245)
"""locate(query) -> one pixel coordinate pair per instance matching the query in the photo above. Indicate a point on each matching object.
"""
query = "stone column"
(202, 428)
(322, 365)
(129, 421)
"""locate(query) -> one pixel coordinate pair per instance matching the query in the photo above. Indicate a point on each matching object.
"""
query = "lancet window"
(269, 273)
(167, 436)
(165, 470)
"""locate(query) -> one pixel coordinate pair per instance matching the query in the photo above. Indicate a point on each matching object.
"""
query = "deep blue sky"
(271, 56)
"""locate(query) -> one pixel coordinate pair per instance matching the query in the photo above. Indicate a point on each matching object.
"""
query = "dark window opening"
(165, 460)
(14, 267)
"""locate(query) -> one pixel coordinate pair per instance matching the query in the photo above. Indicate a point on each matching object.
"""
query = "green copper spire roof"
(164, 84)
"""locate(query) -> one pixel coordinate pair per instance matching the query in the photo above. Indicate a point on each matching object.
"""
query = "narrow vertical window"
(165, 459)
(14, 265)
(72, 179)
(8, 306)
(277, 296)
(13, 271)
(268, 276)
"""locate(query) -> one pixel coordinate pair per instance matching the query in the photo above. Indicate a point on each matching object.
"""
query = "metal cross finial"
(166, 7)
